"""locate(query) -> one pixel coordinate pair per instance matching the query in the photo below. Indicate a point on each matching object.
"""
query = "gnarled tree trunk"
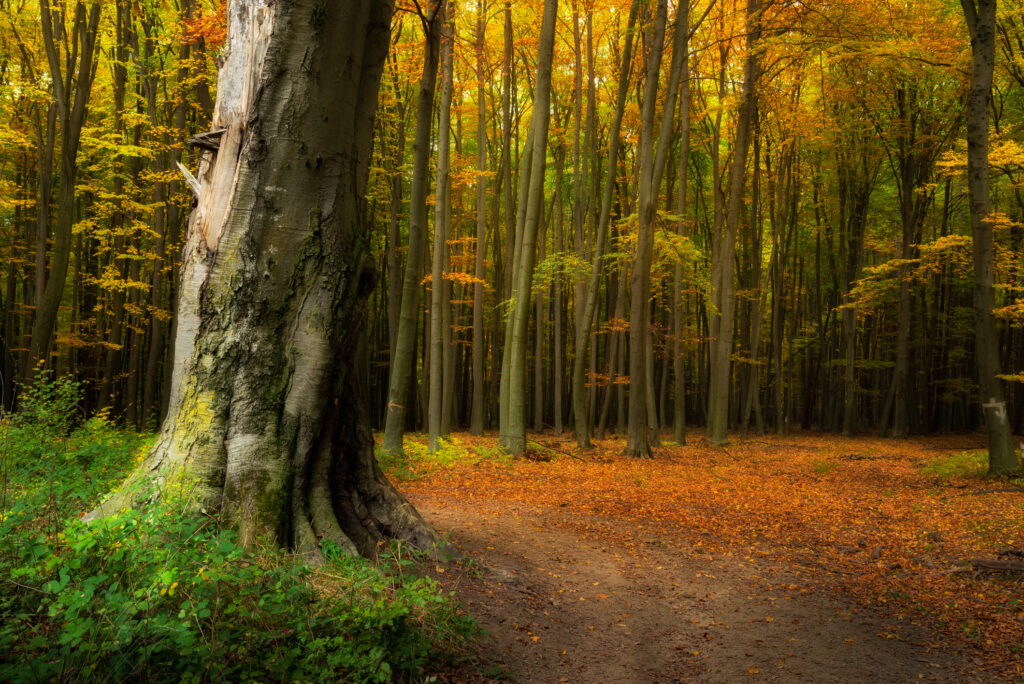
(267, 424)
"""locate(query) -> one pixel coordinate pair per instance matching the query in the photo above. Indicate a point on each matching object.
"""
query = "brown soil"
(578, 598)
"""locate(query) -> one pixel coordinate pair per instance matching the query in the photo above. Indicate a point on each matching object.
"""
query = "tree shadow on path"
(591, 599)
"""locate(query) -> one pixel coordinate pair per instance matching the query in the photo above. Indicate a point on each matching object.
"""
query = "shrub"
(154, 594)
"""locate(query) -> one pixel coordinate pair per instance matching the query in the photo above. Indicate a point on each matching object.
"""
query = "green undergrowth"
(152, 594)
(972, 464)
(416, 460)
(961, 465)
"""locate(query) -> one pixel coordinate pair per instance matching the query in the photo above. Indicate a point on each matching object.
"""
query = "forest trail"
(798, 558)
(583, 598)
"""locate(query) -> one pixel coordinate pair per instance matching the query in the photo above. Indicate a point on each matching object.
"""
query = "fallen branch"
(1000, 490)
(1001, 565)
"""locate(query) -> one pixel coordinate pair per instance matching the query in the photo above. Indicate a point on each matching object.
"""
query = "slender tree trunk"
(394, 260)
(405, 343)
(981, 20)
(441, 216)
(515, 435)
(638, 433)
(722, 276)
(557, 304)
(503, 280)
(114, 346)
(504, 403)
(477, 408)
(678, 359)
(538, 343)
(71, 82)
(157, 324)
(590, 293)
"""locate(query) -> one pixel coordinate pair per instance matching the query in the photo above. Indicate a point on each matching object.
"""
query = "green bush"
(54, 465)
(153, 594)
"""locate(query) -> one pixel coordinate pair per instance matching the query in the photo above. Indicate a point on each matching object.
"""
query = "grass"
(416, 461)
(960, 464)
(823, 467)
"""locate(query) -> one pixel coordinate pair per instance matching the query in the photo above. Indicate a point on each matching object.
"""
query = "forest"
(807, 190)
(278, 266)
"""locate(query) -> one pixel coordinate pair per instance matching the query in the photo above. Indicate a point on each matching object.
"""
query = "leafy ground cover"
(909, 530)
(156, 595)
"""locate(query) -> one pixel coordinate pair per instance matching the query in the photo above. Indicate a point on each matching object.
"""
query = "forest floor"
(798, 558)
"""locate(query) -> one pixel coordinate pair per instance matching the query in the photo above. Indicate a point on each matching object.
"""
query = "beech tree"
(722, 286)
(70, 55)
(981, 21)
(438, 303)
(403, 361)
(588, 293)
(514, 432)
(267, 424)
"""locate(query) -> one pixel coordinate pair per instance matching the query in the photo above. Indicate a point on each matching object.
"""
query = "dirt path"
(587, 599)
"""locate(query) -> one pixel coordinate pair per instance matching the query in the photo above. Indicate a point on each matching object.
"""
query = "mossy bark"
(266, 426)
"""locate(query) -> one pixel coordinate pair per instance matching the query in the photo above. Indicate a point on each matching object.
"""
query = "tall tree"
(590, 295)
(71, 58)
(678, 358)
(642, 418)
(981, 21)
(405, 342)
(722, 285)
(267, 425)
(442, 214)
(478, 401)
(514, 437)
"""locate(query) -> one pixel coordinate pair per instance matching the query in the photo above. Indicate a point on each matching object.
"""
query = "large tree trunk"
(638, 436)
(981, 20)
(267, 425)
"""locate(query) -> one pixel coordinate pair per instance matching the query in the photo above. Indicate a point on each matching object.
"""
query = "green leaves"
(149, 594)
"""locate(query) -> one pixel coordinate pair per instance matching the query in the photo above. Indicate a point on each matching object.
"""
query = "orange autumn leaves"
(894, 524)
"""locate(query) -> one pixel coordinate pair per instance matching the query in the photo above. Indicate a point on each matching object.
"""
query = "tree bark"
(267, 425)
(637, 436)
(722, 269)
(678, 359)
(981, 20)
(477, 408)
(441, 216)
(405, 342)
(588, 300)
(71, 85)
(515, 428)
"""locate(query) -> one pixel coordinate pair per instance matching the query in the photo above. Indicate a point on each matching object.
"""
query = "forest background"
(790, 249)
